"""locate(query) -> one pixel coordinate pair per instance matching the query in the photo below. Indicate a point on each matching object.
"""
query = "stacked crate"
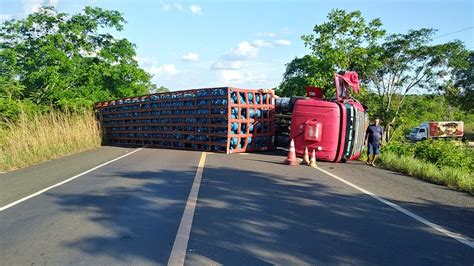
(226, 120)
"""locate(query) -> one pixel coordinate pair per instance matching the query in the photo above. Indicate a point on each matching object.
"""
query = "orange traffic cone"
(313, 160)
(291, 160)
(306, 157)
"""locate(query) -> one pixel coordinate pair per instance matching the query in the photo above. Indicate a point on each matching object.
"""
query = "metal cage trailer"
(228, 120)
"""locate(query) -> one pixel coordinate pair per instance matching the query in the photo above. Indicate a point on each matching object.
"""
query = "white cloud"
(261, 43)
(227, 76)
(28, 7)
(31, 6)
(282, 43)
(53, 3)
(150, 64)
(196, 9)
(285, 30)
(265, 34)
(165, 7)
(190, 57)
(226, 65)
(238, 77)
(243, 51)
(5, 17)
(240, 67)
(170, 7)
(166, 70)
(146, 61)
(178, 6)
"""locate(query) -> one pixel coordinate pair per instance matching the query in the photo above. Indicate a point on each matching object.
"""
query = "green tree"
(345, 43)
(162, 89)
(153, 88)
(410, 64)
(390, 68)
(68, 61)
(460, 90)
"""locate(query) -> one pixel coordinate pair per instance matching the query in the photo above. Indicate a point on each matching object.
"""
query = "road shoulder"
(23, 182)
(441, 205)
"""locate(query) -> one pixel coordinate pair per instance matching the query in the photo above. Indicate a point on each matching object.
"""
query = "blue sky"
(191, 44)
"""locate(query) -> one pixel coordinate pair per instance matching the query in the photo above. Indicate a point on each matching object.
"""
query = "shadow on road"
(294, 220)
(252, 217)
(140, 219)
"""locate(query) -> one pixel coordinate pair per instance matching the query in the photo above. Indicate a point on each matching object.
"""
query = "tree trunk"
(386, 133)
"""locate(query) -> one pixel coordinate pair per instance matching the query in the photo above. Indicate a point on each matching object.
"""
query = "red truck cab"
(335, 129)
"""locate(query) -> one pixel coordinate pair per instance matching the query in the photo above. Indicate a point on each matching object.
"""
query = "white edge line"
(178, 253)
(65, 181)
(420, 219)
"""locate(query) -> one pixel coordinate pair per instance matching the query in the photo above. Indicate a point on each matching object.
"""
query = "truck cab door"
(344, 83)
(421, 134)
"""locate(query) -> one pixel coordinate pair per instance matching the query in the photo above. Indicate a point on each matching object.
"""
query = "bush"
(445, 153)
(399, 148)
(442, 153)
(11, 110)
(455, 178)
(443, 162)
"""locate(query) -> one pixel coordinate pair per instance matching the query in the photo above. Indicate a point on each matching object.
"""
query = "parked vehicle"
(437, 129)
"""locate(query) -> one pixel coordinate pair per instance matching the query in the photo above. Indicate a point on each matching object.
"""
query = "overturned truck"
(233, 120)
(334, 128)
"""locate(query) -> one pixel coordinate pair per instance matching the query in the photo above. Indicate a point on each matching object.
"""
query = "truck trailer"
(228, 120)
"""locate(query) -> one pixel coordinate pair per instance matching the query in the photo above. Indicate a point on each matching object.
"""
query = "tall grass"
(453, 177)
(452, 166)
(41, 138)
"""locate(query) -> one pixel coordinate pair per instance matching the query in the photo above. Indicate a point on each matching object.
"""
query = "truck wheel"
(423, 139)
(343, 160)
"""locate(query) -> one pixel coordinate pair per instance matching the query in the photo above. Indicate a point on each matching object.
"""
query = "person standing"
(373, 137)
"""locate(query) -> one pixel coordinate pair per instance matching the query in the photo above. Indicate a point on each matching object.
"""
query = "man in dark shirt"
(373, 137)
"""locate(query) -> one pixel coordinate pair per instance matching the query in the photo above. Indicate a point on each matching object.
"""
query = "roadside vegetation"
(36, 139)
(404, 81)
(443, 162)
(53, 67)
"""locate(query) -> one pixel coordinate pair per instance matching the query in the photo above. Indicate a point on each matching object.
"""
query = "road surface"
(126, 206)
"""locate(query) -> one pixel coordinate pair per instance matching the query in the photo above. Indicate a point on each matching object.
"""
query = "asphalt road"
(251, 210)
